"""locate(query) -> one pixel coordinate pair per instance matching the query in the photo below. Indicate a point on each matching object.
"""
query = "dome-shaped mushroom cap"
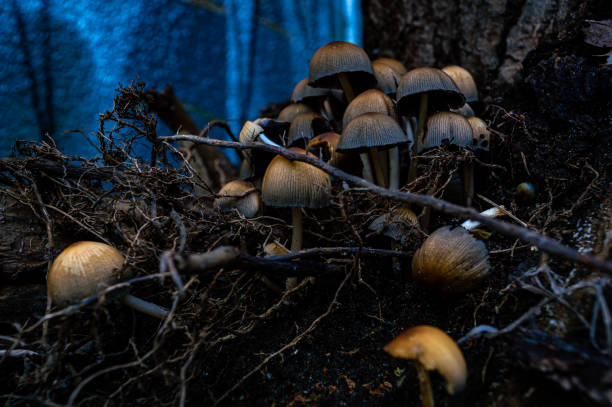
(435, 350)
(387, 78)
(396, 65)
(372, 130)
(443, 92)
(370, 101)
(295, 184)
(249, 132)
(481, 134)
(81, 270)
(447, 126)
(324, 145)
(340, 57)
(450, 260)
(307, 125)
(396, 224)
(464, 80)
(240, 195)
(291, 111)
(303, 92)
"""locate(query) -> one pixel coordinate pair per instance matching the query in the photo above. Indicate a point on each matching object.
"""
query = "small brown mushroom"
(431, 349)
(341, 65)
(464, 80)
(305, 126)
(481, 134)
(83, 269)
(396, 65)
(450, 261)
(387, 78)
(291, 111)
(240, 195)
(296, 185)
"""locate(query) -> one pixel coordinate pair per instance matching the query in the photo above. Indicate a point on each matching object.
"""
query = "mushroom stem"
(144, 306)
(378, 169)
(468, 182)
(367, 168)
(420, 130)
(296, 236)
(394, 170)
(427, 399)
(346, 86)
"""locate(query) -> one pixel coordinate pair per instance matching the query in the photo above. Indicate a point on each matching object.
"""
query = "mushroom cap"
(340, 57)
(372, 130)
(397, 224)
(481, 134)
(465, 111)
(81, 270)
(447, 126)
(464, 80)
(435, 350)
(443, 92)
(306, 126)
(396, 65)
(303, 92)
(291, 111)
(274, 249)
(370, 101)
(295, 184)
(450, 260)
(387, 78)
(250, 131)
(240, 195)
(325, 144)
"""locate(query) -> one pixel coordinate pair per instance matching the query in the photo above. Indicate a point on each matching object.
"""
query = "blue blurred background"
(61, 60)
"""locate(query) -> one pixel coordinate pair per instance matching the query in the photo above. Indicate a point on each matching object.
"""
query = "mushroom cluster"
(362, 116)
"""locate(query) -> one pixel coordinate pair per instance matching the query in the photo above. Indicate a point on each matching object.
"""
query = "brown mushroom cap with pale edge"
(82, 270)
(464, 80)
(435, 350)
(291, 111)
(372, 130)
(295, 184)
(305, 126)
(387, 79)
(340, 57)
(481, 134)
(447, 126)
(450, 260)
(303, 92)
(324, 146)
(250, 131)
(370, 101)
(396, 65)
(396, 224)
(239, 195)
(443, 92)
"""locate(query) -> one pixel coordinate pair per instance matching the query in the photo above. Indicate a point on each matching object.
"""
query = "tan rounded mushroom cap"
(443, 92)
(481, 134)
(450, 260)
(340, 57)
(240, 195)
(303, 92)
(81, 270)
(250, 131)
(464, 80)
(396, 65)
(372, 130)
(305, 126)
(291, 111)
(447, 126)
(387, 78)
(435, 350)
(370, 101)
(295, 184)
(396, 224)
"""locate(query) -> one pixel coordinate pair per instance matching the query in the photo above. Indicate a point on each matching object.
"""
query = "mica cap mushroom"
(450, 261)
(464, 80)
(305, 126)
(240, 195)
(431, 349)
(387, 78)
(291, 111)
(341, 65)
(370, 101)
(83, 269)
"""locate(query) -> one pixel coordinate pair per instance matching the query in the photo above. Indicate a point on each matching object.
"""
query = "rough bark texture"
(491, 38)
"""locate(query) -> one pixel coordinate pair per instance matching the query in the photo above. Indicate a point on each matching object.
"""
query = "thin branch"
(544, 243)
